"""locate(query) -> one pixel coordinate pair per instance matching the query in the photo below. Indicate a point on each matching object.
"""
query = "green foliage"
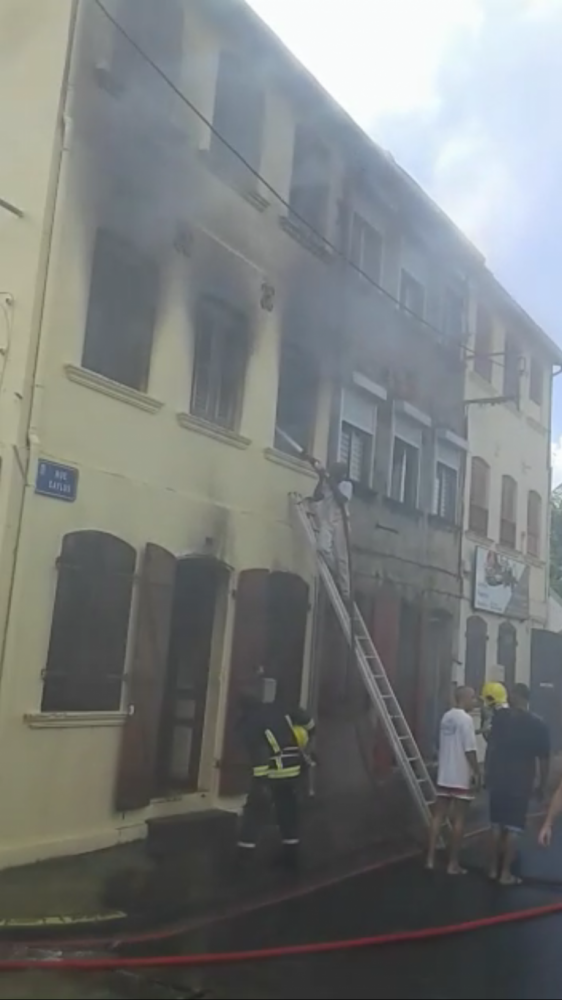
(556, 541)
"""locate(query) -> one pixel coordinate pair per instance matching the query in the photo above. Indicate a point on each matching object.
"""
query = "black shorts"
(509, 810)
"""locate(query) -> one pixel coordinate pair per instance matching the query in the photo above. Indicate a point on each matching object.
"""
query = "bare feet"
(456, 870)
(509, 880)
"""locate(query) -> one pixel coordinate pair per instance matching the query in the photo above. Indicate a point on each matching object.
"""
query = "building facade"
(199, 249)
(510, 369)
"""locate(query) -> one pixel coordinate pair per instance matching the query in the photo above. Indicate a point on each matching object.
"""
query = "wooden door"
(137, 766)
(287, 616)
(248, 654)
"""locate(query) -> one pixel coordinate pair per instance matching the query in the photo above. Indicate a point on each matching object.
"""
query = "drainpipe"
(39, 311)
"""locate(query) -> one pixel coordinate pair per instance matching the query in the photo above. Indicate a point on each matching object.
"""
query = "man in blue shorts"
(518, 763)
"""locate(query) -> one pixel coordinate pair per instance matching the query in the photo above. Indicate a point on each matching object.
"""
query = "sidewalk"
(185, 870)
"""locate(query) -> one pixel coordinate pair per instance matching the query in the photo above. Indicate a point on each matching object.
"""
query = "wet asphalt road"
(516, 962)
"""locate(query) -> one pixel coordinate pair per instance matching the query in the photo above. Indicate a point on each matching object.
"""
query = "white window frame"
(362, 394)
(401, 499)
(449, 451)
(357, 219)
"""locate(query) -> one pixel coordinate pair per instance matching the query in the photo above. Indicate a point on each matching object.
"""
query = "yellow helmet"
(495, 693)
(301, 736)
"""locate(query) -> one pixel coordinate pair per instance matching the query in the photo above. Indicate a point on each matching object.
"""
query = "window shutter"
(248, 653)
(137, 766)
(90, 624)
(287, 607)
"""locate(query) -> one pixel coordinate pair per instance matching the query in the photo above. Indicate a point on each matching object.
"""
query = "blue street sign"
(57, 481)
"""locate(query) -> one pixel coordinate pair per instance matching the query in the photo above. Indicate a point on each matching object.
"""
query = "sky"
(466, 95)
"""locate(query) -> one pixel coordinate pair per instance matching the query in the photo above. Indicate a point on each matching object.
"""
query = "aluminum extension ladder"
(377, 684)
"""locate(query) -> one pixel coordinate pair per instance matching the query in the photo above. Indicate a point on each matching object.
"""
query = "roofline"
(372, 148)
(532, 328)
(386, 160)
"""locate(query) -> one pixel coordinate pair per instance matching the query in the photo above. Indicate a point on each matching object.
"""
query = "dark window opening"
(412, 294)
(121, 312)
(479, 497)
(454, 315)
(507, 652)
(446, 492)
(297, 398)
(238, 119)
(157, 29)
(88, 643)
(508, 522)
(221, 346)
(483, 345)
(536, 382)
(366, 248)
(475, 653)
(512, 370)
(534, 517)
(310, 183)
(405, 473)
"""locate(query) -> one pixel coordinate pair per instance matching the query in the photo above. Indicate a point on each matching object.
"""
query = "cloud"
(378, 57)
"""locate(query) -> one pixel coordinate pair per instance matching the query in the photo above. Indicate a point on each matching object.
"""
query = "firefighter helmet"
(494, 693)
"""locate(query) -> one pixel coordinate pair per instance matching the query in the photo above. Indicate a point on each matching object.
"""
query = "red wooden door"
(137, 766)
(248, 653)
(287, 616)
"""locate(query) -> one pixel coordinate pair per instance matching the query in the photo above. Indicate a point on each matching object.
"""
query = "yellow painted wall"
(143, 476)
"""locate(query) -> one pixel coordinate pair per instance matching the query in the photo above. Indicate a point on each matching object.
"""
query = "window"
(358, 434)
(454, 314)
(355, 451)
(238, 119)
(512, 370)
(507, 653)
(412, 294)
(405, 473)
(534, 517)
(483, 345)
(157, 29)
(479, 497)
(508, 522)
(121, 312)
(366, 248)
(219, 363)
(536, 382)
(446, 492)
(88, 643)
(310, 184)
(297, 397)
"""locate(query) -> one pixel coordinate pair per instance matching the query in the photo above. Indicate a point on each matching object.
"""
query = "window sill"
(75, 720)
(537, 426)
(535, 561)
(401, 508)
(249, 193)
(214, 431)
(475, 536)
(443, 524)
(306, 237)
(288, 462)
(123, 393)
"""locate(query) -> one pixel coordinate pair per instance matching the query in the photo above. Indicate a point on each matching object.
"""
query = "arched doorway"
(475, 654)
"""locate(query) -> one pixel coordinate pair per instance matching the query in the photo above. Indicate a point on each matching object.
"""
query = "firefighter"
(275, 743)
(494, 698)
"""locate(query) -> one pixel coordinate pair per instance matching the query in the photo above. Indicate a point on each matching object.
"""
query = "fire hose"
(307, 950)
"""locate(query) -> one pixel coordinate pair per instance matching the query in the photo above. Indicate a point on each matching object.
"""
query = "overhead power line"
(328, 244)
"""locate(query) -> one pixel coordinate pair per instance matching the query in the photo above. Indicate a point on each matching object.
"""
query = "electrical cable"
(328, 244)
(307, 950)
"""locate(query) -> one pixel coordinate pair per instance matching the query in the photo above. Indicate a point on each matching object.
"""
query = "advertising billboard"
(501, 584)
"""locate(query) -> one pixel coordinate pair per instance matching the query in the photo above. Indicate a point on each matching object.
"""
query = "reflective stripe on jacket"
(285, 762)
